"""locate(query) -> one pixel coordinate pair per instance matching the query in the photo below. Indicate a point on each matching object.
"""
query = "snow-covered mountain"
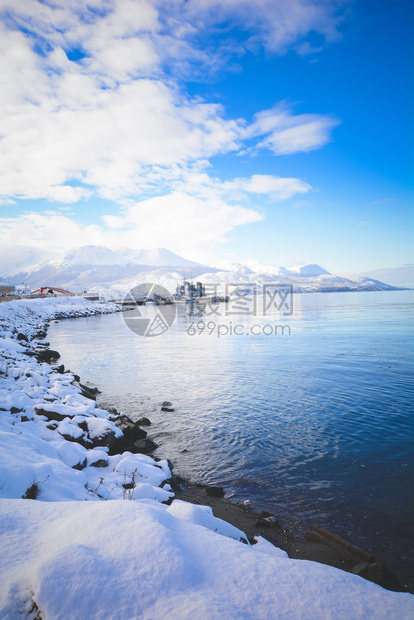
(226, 265)
(325, 282)
(307, 271)
(91, 265)
(99, 268)
(96, 255)
(160, 257)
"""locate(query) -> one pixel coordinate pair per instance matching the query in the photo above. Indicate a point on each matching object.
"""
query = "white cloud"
(66, 194)
(49, 229)
(107, 140)
(287, 133)
(276, 24)
(110, 121)
(275, 187)
(188, 225)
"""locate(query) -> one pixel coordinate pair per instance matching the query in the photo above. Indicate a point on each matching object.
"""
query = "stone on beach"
(215, 491)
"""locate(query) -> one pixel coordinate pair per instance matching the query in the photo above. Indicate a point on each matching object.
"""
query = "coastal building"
(51, 291)
(188, 290)
(6, 289)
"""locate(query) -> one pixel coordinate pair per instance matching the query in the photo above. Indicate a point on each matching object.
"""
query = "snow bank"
(128, 560)
(49, 431)
(86, 532)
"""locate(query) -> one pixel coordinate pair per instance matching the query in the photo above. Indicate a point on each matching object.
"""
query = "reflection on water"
(316, 426)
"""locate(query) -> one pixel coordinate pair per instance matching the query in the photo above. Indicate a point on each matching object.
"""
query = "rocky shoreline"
(58, 446)
(44, 398)
(134, 439)
(318, 545)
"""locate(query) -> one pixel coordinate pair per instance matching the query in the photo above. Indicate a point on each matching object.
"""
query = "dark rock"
(52, 426)
(87, 392)
(99, 463)
(176, 483)
(23, 337)
(129, 428)
(82, 440)
(80, 466)
(112, 410)
(91, 388)
(373, 571)
(39, 334)
(47, 355)
(108, 439)
(166, 403)
(15, 410)
(24, 418)
(143, 446)
(167, 409)
(50, 415)
(215, 491)
(60, 369)
(41, 347)
(84, 390)
(143, 422)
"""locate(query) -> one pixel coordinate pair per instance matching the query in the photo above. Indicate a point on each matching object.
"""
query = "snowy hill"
(324, 283)
(90, 255)
(160, 257)
(309, 271)
(88, 266)
(226, 265)
(98, 268)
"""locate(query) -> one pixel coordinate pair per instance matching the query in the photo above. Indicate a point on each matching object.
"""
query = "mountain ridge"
(97, 267)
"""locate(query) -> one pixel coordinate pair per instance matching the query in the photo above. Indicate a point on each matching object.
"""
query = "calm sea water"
(315, 426)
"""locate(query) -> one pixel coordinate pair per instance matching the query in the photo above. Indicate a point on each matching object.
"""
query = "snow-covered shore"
(98, 540)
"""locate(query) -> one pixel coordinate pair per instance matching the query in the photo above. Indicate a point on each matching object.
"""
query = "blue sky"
(282, 134)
